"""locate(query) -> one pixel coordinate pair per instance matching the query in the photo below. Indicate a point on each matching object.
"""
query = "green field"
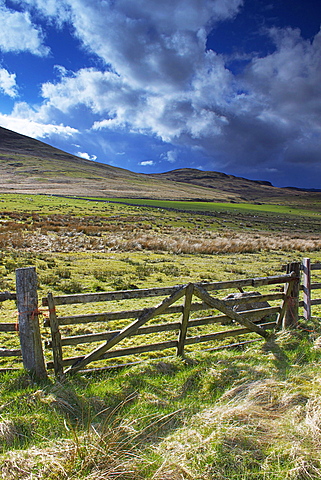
(47, 203)
(223, 207)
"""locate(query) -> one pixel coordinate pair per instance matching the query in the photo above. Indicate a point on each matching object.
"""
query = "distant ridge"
(31, 166)
(203, 177)
(299, 189)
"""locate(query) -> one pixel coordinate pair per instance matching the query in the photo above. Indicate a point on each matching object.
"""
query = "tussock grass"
(92, 456)
(209, 243)
(174, 241)
(7, 432)
(265, 429)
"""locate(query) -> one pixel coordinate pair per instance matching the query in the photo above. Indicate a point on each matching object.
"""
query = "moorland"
(249, 411)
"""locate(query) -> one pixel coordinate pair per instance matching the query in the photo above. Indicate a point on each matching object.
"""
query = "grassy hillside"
(31, 166)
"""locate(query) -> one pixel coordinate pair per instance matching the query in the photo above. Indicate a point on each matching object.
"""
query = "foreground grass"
(232, 414)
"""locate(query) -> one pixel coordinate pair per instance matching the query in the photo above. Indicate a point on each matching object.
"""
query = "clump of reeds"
(8, 432)
(210, 244)
(110, 448)
(106, 451)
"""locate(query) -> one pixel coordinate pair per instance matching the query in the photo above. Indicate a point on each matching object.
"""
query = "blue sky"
(151, 86)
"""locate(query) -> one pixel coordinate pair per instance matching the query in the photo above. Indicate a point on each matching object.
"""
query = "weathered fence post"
(185, 318)
(307, 288)
(291, 316)
(55, 338)
(29, 331)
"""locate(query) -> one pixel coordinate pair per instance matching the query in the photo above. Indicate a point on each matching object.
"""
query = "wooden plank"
(185, 318)
(112, 296)
(228, 333)
(152, 347)
(316, 301)
(109, 316)
(8, 327)
(315, 286)
(7, 296)
(221, 306)
(123, 352)
(249, 282)
(145, 317)
(306, 268)
(164, 291)
(254, 315)
(98, 337)
(122, 315)
(316, 266)
(269, 297)
(29, 331)
(5, 352)
(55, 337)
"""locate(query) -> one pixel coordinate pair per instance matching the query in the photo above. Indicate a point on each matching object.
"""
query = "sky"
(154, 85)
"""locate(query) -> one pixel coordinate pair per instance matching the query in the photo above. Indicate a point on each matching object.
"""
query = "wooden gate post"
(29, 331)
(185, 318)
(291, 317)
(307, 288)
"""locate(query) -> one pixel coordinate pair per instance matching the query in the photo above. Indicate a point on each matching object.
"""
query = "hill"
(31, 166)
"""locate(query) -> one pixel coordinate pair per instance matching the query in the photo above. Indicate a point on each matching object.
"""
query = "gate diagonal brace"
(222, 307)
(127, 331)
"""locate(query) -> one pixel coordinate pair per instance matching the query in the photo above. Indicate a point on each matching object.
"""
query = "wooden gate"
(252, 320)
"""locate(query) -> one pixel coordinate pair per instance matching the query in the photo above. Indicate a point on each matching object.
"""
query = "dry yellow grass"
(174, 241)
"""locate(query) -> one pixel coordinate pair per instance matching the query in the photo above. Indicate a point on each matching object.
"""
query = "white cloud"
(86, 155)
(34, 129)
(152, 44)
(8, 83)
(162, 83)
(18, 34)
(170, 156)
(147, 163)
(102, 92)
(57, 10)
(147, 42)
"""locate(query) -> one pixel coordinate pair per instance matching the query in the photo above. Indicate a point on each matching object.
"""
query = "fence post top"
(25, 268)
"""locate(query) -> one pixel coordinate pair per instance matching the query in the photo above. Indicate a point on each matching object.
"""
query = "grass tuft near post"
(29, 331)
